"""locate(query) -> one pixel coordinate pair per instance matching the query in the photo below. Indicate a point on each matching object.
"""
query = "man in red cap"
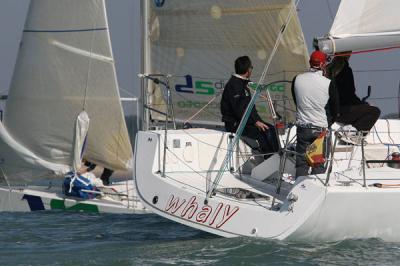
(317, 105)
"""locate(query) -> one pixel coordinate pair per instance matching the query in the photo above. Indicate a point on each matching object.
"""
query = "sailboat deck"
(354, 178)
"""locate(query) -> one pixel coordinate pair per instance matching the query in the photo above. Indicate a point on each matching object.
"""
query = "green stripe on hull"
(56, 204)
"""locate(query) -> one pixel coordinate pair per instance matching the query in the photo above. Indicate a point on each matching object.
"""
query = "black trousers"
(105, 176)
(306, 136)
(362, 116)
(267, 140)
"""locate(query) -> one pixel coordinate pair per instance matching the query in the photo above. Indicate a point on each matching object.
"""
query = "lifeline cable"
(192, 170)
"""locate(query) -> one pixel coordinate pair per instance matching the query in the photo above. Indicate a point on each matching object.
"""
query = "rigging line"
(374, 98)
(187, 165)
(5, 178)
(287, 109)
(385, 98)
(249, 177)
(221, 186)
(9, 187)
(379, 138)
(211, 145)
(378, 70)
(330, 10)
(281, 100)
(128, 198)
(23, 185)
(188, 99)
(203, 142)
(272, 83)
(377, 50)
(211, 101)
(64, 30)
(88, 72)
(388, 126)
(201, 109)
(352, 179)
(127, 92)
(398, 100)
(369, 51)
(258, 187)
(225, 80)
(240, 156)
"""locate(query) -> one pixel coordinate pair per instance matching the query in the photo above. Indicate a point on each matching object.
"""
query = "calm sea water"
(67, 238)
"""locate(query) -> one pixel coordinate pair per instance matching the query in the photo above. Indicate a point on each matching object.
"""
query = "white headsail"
(198, 41)
(364, 25)
(65, 65)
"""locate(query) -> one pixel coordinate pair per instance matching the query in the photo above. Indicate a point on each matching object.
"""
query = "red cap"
(316, 58)
(279, 125)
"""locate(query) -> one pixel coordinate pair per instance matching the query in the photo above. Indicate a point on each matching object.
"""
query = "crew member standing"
(317, 105)
(235, 99)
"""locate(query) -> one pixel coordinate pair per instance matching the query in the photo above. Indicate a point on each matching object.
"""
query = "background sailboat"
(65, 66)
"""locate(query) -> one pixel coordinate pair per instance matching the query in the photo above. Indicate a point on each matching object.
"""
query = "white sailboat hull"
(27, 199)
(305, 210)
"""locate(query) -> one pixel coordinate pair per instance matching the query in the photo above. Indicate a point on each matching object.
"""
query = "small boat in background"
(63, 106)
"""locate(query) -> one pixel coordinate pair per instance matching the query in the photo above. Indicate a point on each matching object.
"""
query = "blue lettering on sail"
(188, 85)
(159, 3)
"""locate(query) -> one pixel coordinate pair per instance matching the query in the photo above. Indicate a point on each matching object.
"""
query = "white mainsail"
(65, 65)
(197, 42)
(364, 25)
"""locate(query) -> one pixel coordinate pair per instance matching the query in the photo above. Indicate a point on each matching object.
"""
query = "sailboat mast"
(145, 63)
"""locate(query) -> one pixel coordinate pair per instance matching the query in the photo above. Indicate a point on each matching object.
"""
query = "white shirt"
(312, 94)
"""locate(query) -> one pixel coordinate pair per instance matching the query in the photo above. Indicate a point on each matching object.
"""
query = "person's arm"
(293, 93)
(261, 125)
(333, 102)
(86, 167)
(350, 85)
(239, 101)
(254, 118)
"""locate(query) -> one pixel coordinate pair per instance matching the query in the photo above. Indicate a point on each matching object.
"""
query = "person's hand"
(261, 126)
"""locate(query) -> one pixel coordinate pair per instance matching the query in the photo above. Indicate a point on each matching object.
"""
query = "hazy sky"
(124, 19)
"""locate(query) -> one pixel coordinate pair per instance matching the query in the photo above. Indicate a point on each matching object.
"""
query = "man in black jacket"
(235, 98)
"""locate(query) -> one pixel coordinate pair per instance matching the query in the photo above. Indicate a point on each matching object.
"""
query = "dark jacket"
(235, 98)
(344, 79)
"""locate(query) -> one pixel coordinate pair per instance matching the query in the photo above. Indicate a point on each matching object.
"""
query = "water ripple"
(68, 238)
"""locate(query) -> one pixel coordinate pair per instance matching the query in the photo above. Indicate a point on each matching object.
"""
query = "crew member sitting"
(235, 99)
(352, 110)
(89, 166)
